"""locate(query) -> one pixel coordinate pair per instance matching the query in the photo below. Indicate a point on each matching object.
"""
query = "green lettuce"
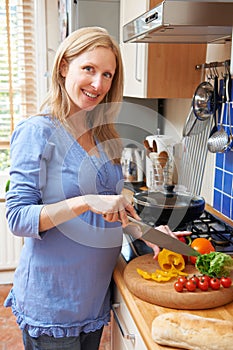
(214, 264)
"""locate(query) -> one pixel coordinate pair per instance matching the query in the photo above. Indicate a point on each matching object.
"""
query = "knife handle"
(141, 225)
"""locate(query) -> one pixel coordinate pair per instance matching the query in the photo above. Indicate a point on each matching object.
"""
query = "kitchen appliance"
(206, 226)
(182, 21)
(132, 162)
(160, 238)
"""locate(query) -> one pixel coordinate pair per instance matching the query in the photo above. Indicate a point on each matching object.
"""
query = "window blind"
(17, 65)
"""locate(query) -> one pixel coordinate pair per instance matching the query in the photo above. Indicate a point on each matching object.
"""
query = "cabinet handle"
(138, 68)
(124, 334)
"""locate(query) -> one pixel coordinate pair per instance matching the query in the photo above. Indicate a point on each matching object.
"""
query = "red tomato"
(226, 282)
(206, 278)
(215, 283)
(203, 284)
(178, 286)
(183, 280)
(191, 286)
(203, 246)
(195, 279)
(182, 239)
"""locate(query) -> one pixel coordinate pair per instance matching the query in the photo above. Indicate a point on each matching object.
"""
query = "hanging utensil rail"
(210, 65)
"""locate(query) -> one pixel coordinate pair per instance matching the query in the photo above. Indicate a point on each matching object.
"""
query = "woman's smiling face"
(88, 78)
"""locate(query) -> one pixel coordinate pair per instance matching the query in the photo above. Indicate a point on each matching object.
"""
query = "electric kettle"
(132, 162)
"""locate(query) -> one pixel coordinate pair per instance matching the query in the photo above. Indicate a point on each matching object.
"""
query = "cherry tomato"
(203, 246)
(183, 280)
(206, 278)
(203, 284)
(195, 279)
(226, 282)
(215, 283)
(191, 286)
(178, 286)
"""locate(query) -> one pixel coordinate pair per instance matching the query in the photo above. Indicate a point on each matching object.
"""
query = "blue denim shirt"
(61, 285)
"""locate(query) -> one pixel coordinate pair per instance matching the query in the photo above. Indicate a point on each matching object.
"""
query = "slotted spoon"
(219, 141)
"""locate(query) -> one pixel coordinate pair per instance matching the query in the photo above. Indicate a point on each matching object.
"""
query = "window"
(17, 69)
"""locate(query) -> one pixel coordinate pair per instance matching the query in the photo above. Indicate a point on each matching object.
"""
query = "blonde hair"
(101, 118)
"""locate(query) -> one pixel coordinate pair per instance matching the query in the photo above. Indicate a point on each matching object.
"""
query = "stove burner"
(207, 226)
(221, 239)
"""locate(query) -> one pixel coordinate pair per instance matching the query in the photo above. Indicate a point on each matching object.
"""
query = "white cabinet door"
(134, 54)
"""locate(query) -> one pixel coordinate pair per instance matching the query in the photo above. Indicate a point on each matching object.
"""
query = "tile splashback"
(223, 184)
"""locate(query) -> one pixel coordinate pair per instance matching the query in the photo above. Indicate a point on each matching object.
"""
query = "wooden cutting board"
(164, 294)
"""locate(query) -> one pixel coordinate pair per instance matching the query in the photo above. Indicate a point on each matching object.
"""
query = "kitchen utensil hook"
(216, 73)
(209, 75)
(226, 70)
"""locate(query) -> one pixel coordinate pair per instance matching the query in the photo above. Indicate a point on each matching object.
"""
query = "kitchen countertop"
(144, 313)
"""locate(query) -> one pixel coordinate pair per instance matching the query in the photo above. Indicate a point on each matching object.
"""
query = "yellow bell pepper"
(162, 276)
(144, 274)
(158, 275)
(172, 265)
(169, 260)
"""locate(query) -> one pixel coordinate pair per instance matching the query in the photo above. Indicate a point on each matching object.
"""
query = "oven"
(207, 226)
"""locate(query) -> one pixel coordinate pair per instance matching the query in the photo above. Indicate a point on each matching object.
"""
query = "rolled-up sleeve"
(23, 200)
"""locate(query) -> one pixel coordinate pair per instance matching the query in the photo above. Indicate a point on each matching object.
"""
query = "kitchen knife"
(162, 239)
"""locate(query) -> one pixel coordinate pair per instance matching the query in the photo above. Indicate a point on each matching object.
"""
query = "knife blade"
(162, 239)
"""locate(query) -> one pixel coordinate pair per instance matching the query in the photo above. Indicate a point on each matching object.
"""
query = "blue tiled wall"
(223, 185)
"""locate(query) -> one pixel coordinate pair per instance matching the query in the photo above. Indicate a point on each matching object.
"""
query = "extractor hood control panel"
(152, 17)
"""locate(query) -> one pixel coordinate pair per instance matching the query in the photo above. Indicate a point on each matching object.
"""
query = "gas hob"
(207, 226)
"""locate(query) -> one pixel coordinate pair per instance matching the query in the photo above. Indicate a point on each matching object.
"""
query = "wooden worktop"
(144, 313)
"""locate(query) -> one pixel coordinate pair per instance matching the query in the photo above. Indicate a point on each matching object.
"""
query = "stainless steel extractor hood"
(182, 21)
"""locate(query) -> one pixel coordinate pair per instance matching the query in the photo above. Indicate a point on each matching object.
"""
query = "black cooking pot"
(167, 207)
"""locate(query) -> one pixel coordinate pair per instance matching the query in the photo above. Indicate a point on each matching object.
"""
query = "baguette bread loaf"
(188, 331)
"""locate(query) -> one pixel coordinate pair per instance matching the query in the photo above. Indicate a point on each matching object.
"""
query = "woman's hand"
(112, 207)
(166, 229)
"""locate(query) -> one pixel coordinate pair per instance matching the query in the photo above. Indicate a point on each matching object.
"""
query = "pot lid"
(167, 199)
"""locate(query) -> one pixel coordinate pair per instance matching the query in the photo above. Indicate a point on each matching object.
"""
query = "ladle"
(215, 127)
(219, 141)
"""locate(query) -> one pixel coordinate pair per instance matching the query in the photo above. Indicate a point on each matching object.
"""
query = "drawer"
(124, 329)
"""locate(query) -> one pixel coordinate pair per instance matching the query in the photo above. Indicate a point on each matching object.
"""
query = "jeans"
(85, 341)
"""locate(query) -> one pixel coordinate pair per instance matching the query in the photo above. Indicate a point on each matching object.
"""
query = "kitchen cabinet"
(134, 55)
(158, 70)
(124, 332)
